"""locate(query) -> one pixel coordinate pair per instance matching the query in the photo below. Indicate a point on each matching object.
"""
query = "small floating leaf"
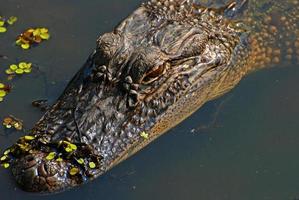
(67, 149)
(3, 158)
(13, 67)
(29, 138)
(73, 146)
(28, 66)
(74, 171)
(2, 93)
(19, 71)
(45, 36)
(2, 86)
(12, 20)
(36, 32)
(22, 65)
(9, 71)
(1, 99)
(25, 46)
(2, 23)
(92, 165)
(2, 29)
(7, 152)
(80, 161)
(59, 159)
(44, 30)
(27, 71)
(19, 41)
(5, 165)
(144, 135)
(18, 126)
(51, 156)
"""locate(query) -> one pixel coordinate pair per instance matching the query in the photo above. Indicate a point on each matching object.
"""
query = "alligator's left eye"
(153, 74)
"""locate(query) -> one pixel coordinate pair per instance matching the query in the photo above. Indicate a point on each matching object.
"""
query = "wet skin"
(154, 70)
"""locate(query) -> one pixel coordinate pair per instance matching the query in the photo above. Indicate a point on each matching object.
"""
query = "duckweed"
(4, 23)
(80, 161)
(74, 171)
(5, 165)
(51, 156)
(29, 137)
(9, 122)
(19, 69)
(92, 165)
(144, 135)
(4, 89)
(32, 36)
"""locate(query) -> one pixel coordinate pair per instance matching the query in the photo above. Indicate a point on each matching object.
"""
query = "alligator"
(157, 67)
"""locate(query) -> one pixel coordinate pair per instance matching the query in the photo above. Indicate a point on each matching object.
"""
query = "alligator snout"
(35, 173)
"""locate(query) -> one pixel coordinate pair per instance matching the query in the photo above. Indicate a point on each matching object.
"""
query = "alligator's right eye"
(154, 74)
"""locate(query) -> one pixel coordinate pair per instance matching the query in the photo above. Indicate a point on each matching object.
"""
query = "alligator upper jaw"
(34, 173)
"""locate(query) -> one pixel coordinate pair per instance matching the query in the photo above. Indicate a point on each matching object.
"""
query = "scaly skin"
(154, 70)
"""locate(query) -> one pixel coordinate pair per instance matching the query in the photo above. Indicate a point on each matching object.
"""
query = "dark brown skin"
(154, 70)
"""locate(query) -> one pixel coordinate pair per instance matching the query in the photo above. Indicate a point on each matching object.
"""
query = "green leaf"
(144, 135)
(92, 165)
(5, 165)
(2, 93)
(28, 65)
(2, 86)
(51, 156)
(22, 65)
(29, 137)
(12, 20)
(25, 46)
(3, 158)
(2, 23)
(36, 32)
(19, 71)
(13, 67)
(80, 161)
(73, 146)
(9, 71)
(27, 71)
(74, 171)
(59, 159)
(7, 152)
(2, 29)
(45, 36)
(19, 42)
(67, 149)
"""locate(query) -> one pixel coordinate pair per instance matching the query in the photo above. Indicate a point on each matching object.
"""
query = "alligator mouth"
(50, 167)
(34, 173)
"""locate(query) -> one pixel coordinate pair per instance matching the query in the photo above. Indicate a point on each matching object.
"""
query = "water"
(249, 152)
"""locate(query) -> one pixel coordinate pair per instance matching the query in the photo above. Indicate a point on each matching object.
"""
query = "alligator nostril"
(29, 161)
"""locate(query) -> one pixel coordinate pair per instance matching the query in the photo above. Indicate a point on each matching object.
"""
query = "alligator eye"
(154, 74)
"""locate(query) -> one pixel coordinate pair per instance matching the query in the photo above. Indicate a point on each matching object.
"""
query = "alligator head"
(155, 69)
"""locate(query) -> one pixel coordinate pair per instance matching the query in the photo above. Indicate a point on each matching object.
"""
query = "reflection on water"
(249, 153)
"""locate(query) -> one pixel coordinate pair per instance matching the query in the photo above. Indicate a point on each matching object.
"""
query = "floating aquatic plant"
(5, 22)
(19, 69)
(12, 122)
(144, 135)
(74, 171)
(32, 36)
(4, 90)
(51, 156)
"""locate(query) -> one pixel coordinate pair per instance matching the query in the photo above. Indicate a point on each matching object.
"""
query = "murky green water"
(250, 152)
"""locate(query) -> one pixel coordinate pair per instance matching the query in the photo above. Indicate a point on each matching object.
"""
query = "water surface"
(243, 146)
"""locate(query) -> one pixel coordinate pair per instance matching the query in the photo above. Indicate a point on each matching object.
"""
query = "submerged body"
(155, 69)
